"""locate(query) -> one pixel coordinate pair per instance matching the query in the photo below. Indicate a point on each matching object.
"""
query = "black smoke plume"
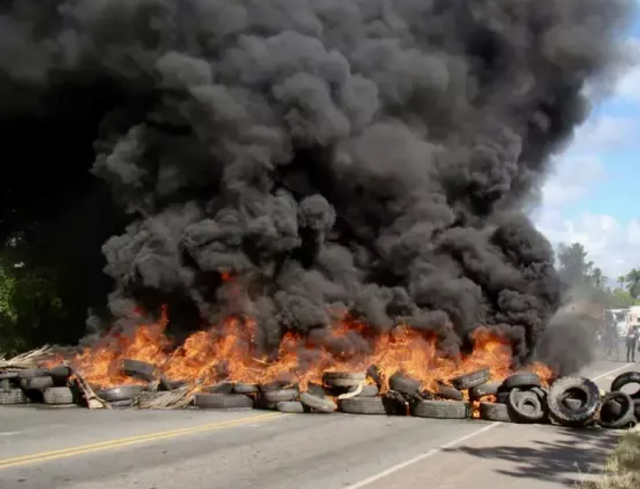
(370, 156)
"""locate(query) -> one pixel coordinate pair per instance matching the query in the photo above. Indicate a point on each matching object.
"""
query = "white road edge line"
(435, 451)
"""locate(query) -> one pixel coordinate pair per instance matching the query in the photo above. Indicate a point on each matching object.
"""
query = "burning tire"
(521, 380)
(374, 374)
(322, 404)
(58, 396)
(37, 383)
(576, 388)
(621, 419)
(490, 411)
(60, 373)
(343, 379)
(369, 391)
(625, 379)
(473, 379)
(244, 388)
(13, 396)
(281, 395)
(122, 393)
(441, 410)
(365, 405)
(223, 401)
(139, 370)
(401, 383)
(219, 388)
(449, 393)
(293, 407)
(489, 389)
(526, 406)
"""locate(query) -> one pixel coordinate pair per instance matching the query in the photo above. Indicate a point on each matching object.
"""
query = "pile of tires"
(44, 387)
(621, 410)
(520, 398)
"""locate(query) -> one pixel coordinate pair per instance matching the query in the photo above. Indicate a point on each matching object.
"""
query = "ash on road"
(82, 449)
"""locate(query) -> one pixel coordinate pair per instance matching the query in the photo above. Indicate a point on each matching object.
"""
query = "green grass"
(622, 470)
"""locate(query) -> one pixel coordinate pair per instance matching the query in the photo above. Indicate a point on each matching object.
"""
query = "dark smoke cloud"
(370, 156)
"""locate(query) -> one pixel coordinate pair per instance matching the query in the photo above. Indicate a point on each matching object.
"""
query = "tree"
(574, 268)
(597, 278)
(633, 283)
(619, 299)
(621, 281)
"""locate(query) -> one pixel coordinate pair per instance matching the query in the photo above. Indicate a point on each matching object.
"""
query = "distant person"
(632, 343)
(611, 339)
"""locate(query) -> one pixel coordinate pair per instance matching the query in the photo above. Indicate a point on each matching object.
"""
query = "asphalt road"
(120, 449)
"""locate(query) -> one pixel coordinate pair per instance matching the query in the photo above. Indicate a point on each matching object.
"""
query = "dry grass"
(622, 470)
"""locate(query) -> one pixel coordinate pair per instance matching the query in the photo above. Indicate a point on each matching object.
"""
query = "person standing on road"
(611, 339)
(632, 342)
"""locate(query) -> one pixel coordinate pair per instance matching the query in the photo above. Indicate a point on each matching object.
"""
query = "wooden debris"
(30, 359)
(93, 401)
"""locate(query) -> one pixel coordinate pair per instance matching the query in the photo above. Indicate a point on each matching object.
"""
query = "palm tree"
(621, 281)
(633, 283)
(598, 278)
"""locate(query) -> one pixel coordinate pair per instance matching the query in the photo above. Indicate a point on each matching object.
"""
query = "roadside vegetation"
(622, 470)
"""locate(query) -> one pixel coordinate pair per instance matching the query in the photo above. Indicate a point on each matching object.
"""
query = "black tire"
(293, 407)
(37, 383)
(449, 393)
(467, 381)
(522, 380)
(636, 408)
(572, 404)
(489, 389)
(627, 413)
(490, 411)
(244, 388)
(526, 406)
(13, 396)
(320, 390)
(401, 383)
(262, 403)
(58, 395)
(281, 395)
(125, 403)
(219, 388)
(121, 393)
(223, 401)
(343, 379)
(139, 370)
(441, 410)
(369, 391)
(171, 385)
(577, 388)
(502, 397)
(60, 373)
(322, 404)
(30, 373)
(624, 379)
(9, 376)
(364, 405)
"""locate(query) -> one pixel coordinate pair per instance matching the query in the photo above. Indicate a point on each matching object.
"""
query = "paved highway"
(44, 448)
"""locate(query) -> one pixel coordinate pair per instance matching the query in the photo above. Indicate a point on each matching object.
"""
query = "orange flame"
(228, 352)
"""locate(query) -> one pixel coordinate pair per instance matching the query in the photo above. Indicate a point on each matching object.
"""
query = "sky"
(593, 196)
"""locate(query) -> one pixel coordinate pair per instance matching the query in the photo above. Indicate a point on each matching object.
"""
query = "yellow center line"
(133, 440)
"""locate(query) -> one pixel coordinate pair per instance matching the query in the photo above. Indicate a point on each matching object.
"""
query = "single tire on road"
(58, 395)
(575, 388)
(626, 415)
(223, 401)
(13, 396)
(441, 410)
(294, 407)
(493, 411)
(365, 405)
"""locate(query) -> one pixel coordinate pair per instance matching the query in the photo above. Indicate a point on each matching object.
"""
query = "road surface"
(81, 449)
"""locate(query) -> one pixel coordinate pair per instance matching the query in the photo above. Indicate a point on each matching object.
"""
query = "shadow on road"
(568, 458)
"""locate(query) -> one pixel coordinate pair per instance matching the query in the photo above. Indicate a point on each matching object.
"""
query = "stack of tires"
(49, 387)
(520, 398)
(621, 410)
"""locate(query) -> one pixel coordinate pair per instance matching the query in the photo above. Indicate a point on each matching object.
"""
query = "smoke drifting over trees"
(370, 156)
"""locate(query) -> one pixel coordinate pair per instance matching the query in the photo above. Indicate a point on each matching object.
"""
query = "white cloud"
(628, 86)
(613, 245)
